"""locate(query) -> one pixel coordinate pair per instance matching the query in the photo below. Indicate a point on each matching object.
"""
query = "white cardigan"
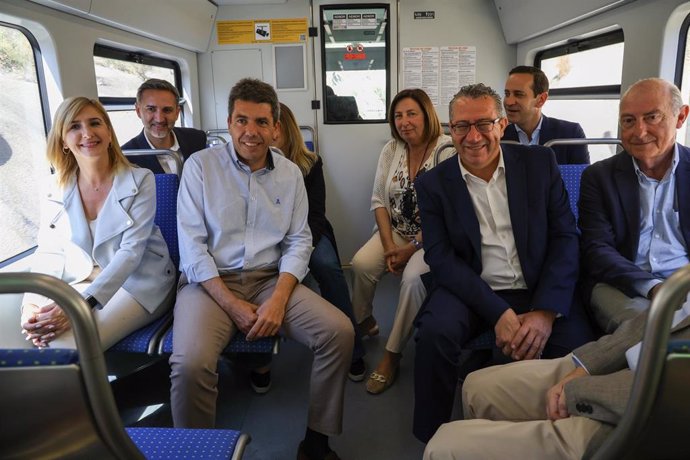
(128, 246)
(390, 156)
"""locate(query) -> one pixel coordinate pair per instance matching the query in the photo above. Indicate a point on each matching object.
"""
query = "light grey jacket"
(604, 394)
(127, 245)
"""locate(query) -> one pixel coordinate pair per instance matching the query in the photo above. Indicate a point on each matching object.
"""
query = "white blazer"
(128, 246)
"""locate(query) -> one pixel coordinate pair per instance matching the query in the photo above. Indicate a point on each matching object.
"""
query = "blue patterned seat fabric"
(571, 178)
(138, 341)
(238, 344)
(37, 357)
(166, 219)
(166, 212)
(184, 443)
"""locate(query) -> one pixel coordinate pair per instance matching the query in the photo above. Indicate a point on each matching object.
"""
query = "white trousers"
(117, 319)
(368, 266)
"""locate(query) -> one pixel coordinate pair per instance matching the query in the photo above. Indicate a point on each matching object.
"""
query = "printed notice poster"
(439, 71)
(420, 69)
(262, 31)
(458, 68)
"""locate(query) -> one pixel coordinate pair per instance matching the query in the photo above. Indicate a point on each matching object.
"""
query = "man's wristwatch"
(417, 244)
(91, 300)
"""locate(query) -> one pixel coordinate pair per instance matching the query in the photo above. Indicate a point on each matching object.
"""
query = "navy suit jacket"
(609, 209)
(543, 226)
(553, 128)
(191, 140)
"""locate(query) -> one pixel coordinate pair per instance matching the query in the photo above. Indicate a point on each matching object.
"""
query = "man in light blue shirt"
(244, 248)
(634, 211)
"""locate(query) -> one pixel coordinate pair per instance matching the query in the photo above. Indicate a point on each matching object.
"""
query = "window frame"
(578, 45)
(322, 39)
(126, 103)
(680, 55)
(40, 73)
(45, 113)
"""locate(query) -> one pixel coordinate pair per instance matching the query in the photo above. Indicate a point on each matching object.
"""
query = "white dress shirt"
(500, 261)
(168, 164)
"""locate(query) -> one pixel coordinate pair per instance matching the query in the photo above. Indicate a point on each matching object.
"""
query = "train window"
(355, 56)
(22, 140)
(683, 74)
(578, 94)
(118, 76)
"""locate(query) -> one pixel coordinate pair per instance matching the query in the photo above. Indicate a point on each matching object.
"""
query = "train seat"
(53, 405)
(571, 175)
(158, 160)
(221, 136)
(146, 339)
(184, 443)
(238, 344)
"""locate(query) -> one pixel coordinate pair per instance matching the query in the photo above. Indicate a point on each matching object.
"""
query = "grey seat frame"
(49, 399)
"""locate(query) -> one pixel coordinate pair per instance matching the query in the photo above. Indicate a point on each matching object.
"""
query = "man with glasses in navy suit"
(501, 241)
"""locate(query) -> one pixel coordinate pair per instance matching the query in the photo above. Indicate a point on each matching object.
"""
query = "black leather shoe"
(302, 454)
(261, 383)
(357, 371)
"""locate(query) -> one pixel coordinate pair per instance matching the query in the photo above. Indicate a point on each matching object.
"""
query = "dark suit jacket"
(543, 226)
(316, 193)
(553, 128)
(191, 140)
(609, 209)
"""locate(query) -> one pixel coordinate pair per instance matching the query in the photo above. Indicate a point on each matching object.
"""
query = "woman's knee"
(412, 282)
(364, 263)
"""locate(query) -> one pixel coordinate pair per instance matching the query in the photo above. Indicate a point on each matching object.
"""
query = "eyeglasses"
(652, 119)
(483, 126)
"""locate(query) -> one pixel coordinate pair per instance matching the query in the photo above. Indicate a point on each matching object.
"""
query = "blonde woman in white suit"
(97, 232)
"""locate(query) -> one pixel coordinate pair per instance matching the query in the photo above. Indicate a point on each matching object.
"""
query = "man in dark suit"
(526, 91)
(565, 408)
(158, 108)
(502, 245)
(635, 206)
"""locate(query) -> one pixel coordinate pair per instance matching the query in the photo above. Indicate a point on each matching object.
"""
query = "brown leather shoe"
(302, 455)
(378, 383)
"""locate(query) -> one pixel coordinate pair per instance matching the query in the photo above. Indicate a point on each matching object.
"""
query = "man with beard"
(158, 107)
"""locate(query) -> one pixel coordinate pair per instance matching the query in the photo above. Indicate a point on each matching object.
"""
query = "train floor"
(374, 427)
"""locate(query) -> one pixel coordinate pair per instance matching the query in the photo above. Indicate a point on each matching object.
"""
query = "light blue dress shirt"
(661, 249)
(232, 219)
(524, 138)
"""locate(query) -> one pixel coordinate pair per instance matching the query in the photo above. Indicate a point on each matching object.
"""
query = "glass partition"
(355, 60)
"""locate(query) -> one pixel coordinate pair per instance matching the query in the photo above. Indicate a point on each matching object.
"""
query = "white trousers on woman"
(368, 266)
(117, 319)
